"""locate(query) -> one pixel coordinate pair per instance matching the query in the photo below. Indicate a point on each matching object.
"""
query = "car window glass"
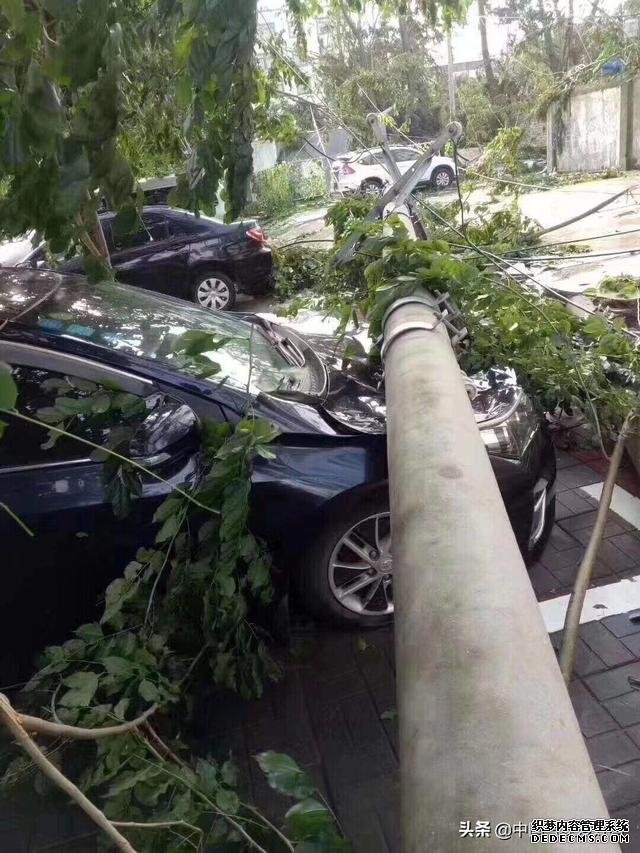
(401, 155)
(100, 413)
(156, 226)
(139, 237)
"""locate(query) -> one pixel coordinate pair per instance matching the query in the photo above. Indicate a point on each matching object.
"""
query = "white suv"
(364, 172)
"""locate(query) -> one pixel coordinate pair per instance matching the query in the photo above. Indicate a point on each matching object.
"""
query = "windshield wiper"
(285, 346)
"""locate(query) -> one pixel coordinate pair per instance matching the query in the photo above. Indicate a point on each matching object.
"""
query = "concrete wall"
(633, 137)
(588, 132)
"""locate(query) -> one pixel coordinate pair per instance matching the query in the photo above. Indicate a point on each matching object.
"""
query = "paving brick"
(583, 534)
(576, 476)
(621, 787)
(632, 814)
(630, 544)
(587, 662)
(542, 580)
(566, 574)
(580, 521)
(560, 539)
(576, 501)
(592, 717)
(554, 560)
(613, 682)
(625, 709)
(632, 642)
(617, 560)
(611, 748)
(605, 645)
(565, 460)
(634, 733)
(621, 625)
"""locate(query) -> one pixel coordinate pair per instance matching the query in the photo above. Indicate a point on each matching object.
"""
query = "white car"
(364, 172)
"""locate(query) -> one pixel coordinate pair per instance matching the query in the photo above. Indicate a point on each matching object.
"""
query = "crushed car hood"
(355, 396)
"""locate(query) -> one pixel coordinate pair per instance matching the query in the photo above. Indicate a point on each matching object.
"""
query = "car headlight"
(507, 422)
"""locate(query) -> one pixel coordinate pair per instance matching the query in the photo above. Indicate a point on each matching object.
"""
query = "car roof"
(355, 155)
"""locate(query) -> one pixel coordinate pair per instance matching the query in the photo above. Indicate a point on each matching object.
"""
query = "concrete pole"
(451, 79)
(487, 730)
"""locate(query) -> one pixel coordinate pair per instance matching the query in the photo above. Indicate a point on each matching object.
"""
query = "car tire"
(442, 178)
(371, 188)
(213, 290)
(321, 583)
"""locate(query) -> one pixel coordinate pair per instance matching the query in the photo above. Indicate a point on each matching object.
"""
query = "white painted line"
(623, 503)
(600, 601)
(610, 599)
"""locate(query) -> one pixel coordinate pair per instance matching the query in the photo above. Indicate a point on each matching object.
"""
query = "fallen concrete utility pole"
(487, 730)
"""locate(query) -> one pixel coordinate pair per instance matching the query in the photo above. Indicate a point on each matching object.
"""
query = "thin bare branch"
(45, 727)
(11, 721)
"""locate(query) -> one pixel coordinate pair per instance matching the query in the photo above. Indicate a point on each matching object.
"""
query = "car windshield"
(140, 323)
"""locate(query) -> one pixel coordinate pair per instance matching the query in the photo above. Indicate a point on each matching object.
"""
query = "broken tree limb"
(11, 721)
(581, 584)
(44, 727)
(586, 213)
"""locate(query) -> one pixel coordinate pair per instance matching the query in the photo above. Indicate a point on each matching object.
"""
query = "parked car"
(365, 172)
(322, 503)
(174, 252)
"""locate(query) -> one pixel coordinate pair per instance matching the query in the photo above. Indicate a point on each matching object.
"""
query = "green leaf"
(284, 775)
(50, 415)
(117, 666)
(8, 389)
(121, 708)
(83, 687)
(90, 633)
(101, 403)
(168, 529)
(310, 820)
(227, 800)
(148, 691)
(15, 12)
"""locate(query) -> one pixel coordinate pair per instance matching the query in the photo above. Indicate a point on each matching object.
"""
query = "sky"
(466, 41)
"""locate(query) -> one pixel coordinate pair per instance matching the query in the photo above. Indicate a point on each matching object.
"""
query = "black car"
(190, 257)
(321, 503)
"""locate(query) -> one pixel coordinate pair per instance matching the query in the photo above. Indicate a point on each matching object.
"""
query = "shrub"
(276, 190)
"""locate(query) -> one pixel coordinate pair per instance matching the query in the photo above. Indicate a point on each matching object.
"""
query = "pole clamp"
(410, 326)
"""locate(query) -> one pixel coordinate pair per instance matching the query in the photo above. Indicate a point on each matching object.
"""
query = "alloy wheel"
(213, 292)
(361, 567)
(371, 189)
(443, 179)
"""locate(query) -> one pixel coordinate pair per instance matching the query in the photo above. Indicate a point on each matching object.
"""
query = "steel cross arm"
(401, 189)
(380, 132)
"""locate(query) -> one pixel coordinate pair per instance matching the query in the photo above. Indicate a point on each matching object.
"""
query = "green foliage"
(478, 114)
(617, 287)
(277, 190)
(62, 74)
(567, 363)
(300, 268)
(502, 155)
(347, 211)
(308, 820)
(177, 621)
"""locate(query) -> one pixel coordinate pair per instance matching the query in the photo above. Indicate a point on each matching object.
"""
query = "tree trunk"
(549, 47)
(492, 85)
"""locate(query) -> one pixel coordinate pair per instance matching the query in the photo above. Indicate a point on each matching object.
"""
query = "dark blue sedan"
(321, 503)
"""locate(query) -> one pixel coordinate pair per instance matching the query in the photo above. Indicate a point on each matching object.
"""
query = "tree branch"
(45, 727)
(11, 721)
